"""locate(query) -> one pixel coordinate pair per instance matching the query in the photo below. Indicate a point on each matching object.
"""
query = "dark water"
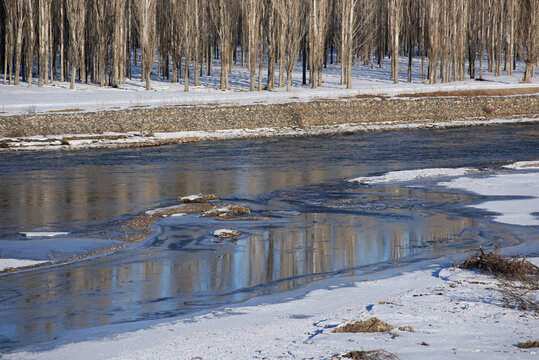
(322, 225)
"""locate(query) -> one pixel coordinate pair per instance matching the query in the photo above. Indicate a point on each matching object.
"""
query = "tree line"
(103, 41)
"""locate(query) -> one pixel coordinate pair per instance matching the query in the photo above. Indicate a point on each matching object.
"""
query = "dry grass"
(406, 328)
(511, 268)
(66, 110)
(519, 281)
(371, 325)
(479, 92)
(370, 355)
(521, 296)
(528, 344)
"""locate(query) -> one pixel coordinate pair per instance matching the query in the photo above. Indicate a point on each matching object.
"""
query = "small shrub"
(31, 109)
(512, 268)
(520, 296)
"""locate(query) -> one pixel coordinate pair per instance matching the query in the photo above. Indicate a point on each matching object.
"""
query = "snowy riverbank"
(455, 313)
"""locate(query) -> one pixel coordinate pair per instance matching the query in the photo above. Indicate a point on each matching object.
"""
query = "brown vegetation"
(528, 344)
(511, 268)
(481, 92)
(370, 355)
(66, 110)
(367, 326)
(519, 278)
(228, 212)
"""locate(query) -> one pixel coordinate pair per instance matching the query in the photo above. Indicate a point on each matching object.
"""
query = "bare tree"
(9, 42)
(394, 18)
(293, 13)
(224, 14)
(145, 19)
(30, 41)
(319, 11)
(251, 10)
(529, 36)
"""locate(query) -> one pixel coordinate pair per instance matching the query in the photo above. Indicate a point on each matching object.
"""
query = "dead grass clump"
(227, 212)
(406, 328)
(370, 355)
(512, 268)
(239, 211)
(528, 344)
(198, 199)
(66, 110)
(371, 325)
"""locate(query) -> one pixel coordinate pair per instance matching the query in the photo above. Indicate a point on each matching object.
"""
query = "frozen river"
(321, 224)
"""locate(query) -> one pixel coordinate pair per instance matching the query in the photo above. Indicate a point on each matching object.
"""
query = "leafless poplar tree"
(145, 20)
(293, 14)
(529, 36)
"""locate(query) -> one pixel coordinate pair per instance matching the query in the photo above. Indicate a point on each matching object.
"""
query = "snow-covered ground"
(455, 314)
(132, 95)
(17, 263)
(523, 209)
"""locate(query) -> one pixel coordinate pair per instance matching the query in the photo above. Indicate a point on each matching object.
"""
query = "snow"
(408, 175)
(163, 210)
(178, 215)
(132, 95)
(31, 234)
(516, 211)
(523, 165)
(17, 263)
(191, 198)
(458, 313)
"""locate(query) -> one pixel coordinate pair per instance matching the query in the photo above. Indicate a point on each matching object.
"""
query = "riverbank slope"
(176, 124)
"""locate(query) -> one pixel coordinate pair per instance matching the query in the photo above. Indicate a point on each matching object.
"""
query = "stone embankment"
(368, 111)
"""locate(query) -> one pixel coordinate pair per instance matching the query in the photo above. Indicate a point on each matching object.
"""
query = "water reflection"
(322, 225)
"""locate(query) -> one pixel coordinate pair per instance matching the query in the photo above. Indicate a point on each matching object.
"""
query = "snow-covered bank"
(522, 210)
(455, 314)
(30, 234)
(18, 263)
